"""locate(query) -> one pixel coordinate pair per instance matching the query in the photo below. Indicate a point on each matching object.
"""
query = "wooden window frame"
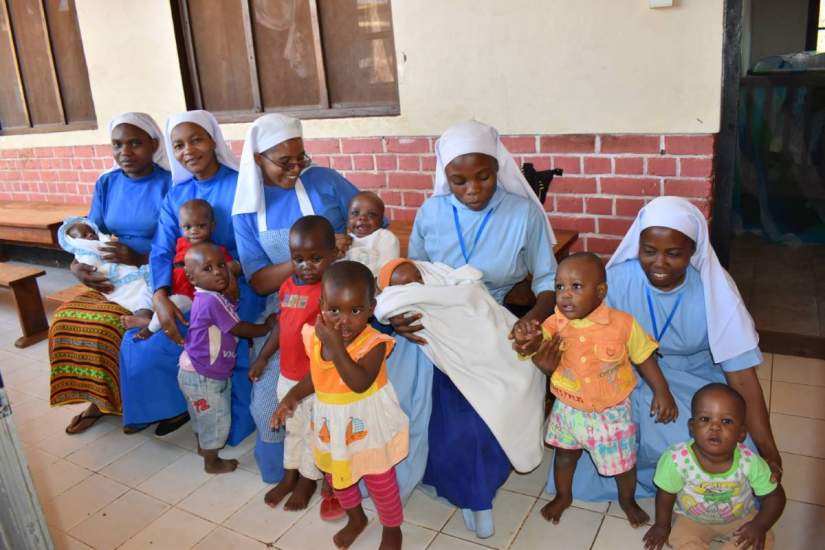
(192, 86)
(65, 126)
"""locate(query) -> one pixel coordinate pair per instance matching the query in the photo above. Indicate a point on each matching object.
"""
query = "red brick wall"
(607, 177)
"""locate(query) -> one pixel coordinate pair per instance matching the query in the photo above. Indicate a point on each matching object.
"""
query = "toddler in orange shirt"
(587, 349)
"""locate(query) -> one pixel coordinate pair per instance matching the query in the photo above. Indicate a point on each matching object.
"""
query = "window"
(312, 58)
(44, 85)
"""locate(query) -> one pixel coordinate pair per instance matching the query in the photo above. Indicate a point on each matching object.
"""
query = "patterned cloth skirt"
(84, 341)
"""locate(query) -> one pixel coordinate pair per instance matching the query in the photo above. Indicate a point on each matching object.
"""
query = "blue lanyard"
(461, 243)
(656, 334)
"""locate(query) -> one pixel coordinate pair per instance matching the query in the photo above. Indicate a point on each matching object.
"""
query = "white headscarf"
(475, 137)
(731, 330)
(264, 134)
(207, 121)
(148, 125)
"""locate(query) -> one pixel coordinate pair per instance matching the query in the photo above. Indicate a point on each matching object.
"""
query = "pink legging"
(383, 490)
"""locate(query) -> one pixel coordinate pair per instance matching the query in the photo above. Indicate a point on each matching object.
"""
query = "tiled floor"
(103, 489)
(783, 286)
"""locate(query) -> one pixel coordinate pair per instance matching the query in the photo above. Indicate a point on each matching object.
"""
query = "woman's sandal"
(169, 425)
(82, 422)
(136, 428)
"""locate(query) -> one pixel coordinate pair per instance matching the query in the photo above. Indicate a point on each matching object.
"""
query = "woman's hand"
(526, 336)
(342, 244)
(403, 325)
(118, 253)
(89, 276)
(168, 313)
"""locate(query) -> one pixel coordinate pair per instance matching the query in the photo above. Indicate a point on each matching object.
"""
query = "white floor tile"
(57, 442)
(509, 512)
(241, 449)
(142, 462)
(81, 501)
(248, 463)
(29, 409)
(178, 480)
(222, 539)
(119, 521)
(38, 459)
(63, 541)
(257, 520)
(312, 532)
(799, 370)
(427, 512)
(617, 534)
(800, 525)
(413, 537)
(174, 530)
(105, 450)
(56, 478)
(804, 478)
(223, 495)
(446, 542)
(802, 436)
(798, 400)
(182, 437)
(531, 484)
(576, 530)
(599, 507)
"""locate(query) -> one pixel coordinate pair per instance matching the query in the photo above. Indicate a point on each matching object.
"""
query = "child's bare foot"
(635, 515)
(134, 321)
(282, 489)
(552, 511)
(390, 539)
(142, 334)
(213, 464)
(356, 523)
(303, 491)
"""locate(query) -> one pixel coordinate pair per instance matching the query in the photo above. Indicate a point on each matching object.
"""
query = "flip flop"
(136, 428)
(75, 427)
(169, 425)
(331, 509)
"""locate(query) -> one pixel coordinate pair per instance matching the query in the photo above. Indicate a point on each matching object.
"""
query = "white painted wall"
(525, 66)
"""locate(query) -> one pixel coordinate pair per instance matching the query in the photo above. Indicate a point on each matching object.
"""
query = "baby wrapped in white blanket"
(466, 332)
(81, 237)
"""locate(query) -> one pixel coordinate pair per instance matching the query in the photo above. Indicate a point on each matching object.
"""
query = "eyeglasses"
(302, 163)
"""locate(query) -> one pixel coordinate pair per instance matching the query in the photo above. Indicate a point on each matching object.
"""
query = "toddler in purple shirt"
(208, 355)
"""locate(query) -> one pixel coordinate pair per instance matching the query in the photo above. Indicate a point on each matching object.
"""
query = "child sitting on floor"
(208, 355)
(358, 427)
(312, 248)
(712, 480)
(372, 245)
(588, 349)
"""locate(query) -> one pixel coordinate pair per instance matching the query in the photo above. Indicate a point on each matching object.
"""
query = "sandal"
(169, 425)
(82, 422)
(331, 509)
(134, 428)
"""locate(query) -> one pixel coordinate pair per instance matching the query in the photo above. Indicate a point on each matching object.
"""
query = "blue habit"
(686, 363)
(465, 462)
(329, 194)
(148, 368)
(113, 206)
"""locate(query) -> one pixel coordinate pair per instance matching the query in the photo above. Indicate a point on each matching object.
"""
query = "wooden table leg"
(30, 312)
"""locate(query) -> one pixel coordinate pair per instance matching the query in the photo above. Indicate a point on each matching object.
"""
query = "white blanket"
(466, 332)
(375, 249)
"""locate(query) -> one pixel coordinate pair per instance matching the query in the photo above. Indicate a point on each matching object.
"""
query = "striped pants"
(383, 490)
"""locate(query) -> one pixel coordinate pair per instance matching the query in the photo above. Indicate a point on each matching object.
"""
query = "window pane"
(285, 54)
(12, 104)
(34, 55)
(69, 60)
(820, 40)
(220, 53)
(359, 52)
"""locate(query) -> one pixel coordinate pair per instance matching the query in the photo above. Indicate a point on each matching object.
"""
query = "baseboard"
(791, 344)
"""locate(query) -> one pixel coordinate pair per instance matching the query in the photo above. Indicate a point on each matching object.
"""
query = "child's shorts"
(210, 406)
(608, 436)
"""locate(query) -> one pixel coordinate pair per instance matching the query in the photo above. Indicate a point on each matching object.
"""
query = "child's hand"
(233, 292)
(750, 535)
(548, 357)
(271, 321)
(286, 408)
(656, 537)
(328, 334)
(664, 407)
(526, 336)
(342, 244)
(257, 369)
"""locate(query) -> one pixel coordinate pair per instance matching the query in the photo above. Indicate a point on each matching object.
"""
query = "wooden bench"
(67, 294)
(22, 280)
(35, 223)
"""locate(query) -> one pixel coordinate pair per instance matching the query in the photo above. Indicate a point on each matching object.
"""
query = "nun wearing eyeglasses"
(203, 167)
(482, 213)
(277, 185)
(666, 274)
